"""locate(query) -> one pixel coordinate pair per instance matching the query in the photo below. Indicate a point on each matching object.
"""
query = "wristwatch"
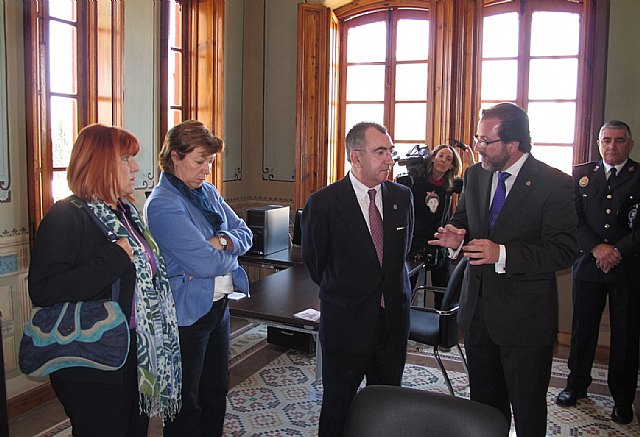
(223, 241)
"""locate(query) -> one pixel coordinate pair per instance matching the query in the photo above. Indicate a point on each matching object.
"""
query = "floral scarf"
(159, 360)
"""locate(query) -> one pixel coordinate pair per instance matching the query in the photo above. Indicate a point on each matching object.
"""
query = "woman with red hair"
(73, 261)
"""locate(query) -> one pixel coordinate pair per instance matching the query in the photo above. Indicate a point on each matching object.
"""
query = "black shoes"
(622, 414)
(569, 397)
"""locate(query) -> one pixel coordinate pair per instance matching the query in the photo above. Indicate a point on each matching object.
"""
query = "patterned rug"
(283, 398)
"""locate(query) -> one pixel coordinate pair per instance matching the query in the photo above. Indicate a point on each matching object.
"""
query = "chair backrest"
(454, 287)
(383, 411)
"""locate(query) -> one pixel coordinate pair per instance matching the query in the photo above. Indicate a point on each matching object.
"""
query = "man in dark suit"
(356, 234)
(517, 222)
(607, 194)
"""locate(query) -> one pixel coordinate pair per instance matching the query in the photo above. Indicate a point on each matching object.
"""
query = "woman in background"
(201, 238)
(73, 261)
(429, 194)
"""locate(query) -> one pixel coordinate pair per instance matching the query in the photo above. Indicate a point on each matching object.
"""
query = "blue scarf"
(199, 199)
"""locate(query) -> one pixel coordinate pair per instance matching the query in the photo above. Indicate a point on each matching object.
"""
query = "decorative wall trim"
(279, 90)
(6, 304)
(25, 300)
(268, 175)
(8, 264)
(237, 175)
(14, 253)
(5, 174)
(260, 199)
(12, 233)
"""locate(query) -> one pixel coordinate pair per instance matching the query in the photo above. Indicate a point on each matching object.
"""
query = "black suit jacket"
(537, 226)
(339, 253)
(72, 260)
(603, 217)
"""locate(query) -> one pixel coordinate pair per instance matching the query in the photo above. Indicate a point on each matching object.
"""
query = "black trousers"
(204, 347)
(589, 299)
(108, 410)
(509, 377)
(382, 363)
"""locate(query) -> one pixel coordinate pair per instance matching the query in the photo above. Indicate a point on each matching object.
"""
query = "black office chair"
(383, 411)
(438, 327)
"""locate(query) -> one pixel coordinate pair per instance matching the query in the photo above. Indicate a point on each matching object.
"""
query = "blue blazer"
(182, 232)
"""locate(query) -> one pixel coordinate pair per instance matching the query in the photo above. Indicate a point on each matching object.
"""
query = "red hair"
(93, 171)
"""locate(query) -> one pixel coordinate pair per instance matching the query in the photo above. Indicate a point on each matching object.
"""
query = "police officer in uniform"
(607, 194)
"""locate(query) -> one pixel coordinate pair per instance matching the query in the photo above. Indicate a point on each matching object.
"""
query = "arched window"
(534, 55)
(385, 59)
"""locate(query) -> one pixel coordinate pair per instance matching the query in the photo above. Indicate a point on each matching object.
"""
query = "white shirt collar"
(515, 168)
(361, 190)
(607, 167)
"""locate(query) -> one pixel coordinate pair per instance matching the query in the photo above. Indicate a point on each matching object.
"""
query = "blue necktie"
(498, 198)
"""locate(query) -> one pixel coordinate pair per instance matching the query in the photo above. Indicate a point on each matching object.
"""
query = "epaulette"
(585, 164)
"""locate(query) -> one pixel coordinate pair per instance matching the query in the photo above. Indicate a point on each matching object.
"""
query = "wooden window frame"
(202, 69)
(591, 59)
(456, 99)
(92, 85)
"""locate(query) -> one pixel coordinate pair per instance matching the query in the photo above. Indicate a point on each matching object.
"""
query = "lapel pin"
(596, 168)
(395, 206)
(632, 169)
(583, 182)
(528, 183)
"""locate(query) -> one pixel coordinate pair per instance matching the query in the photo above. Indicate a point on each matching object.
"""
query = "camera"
(415, 161)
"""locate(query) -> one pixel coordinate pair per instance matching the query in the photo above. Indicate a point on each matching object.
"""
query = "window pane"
(60, 186)
(560, 157)
(402, 149)
(62, 53)
(555, 33)
(175, 117)
(410, 121)
(363, 112)
(411, 81)
(175, 25)
(552, 122)
(63, 129)
(412, 40)
(174, 81)
(500, 35)
(499, 80)
(365, 83)
(367, 43)
(553, 78)
(63, 9)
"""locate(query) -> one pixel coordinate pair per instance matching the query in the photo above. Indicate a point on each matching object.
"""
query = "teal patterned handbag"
(76, 334)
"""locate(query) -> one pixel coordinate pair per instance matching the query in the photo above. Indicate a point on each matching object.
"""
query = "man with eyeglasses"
(607, 194)
(516, 223)
(356, 235)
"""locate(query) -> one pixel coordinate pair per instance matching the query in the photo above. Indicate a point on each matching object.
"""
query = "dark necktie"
(612, 176)
(375, 222)
(377, 234)
(498, 198)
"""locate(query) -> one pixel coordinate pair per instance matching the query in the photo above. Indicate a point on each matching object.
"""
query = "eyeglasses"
(484, 143)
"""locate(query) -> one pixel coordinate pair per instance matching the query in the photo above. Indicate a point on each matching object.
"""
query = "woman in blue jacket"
(201, 238)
